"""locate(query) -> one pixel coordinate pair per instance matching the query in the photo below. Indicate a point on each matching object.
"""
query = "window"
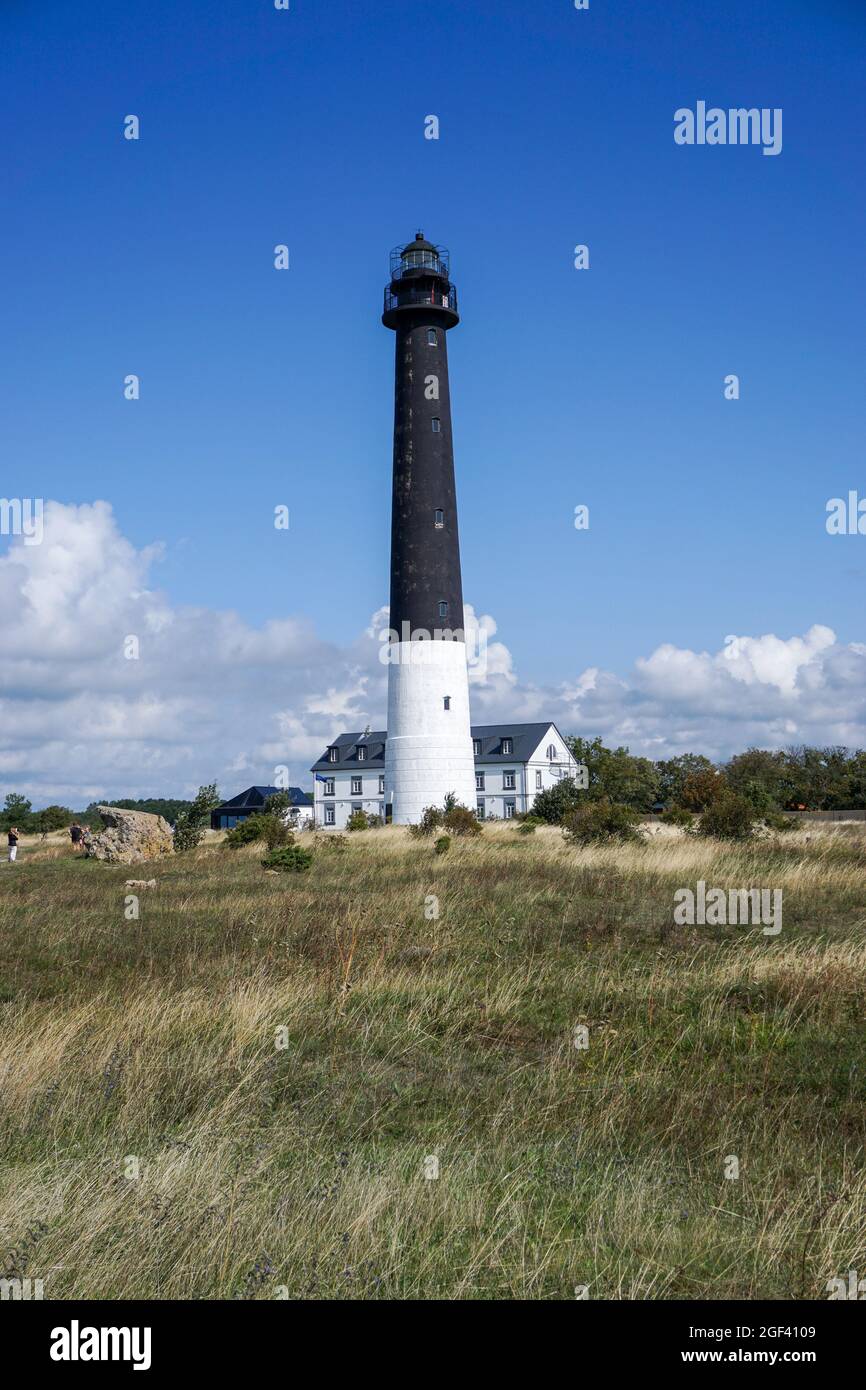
(431, 336)
(362, 755)
(330, 815)
(447, 700)
(509, 810)
(508, 781)
(356, 806)
(479, 781)
(480, 810)
(538, 781)
(507, 746)
(438, 518)
(476, 747)
(436, 423)
(551, 752)
(443, 608)
(329, 786)
(357, 789)
(334, 755)
(381, 784)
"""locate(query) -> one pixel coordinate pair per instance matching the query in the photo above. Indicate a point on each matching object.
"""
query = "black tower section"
(421, 305)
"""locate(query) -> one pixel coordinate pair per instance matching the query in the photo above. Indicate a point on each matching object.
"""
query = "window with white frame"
(508, 783)
(551, 752)
(479, 809)
(330, 815)
(509, 810)
(507, 746)
(357, 786)
(381, 783)
(334, 755)
(538, 781)
(362, 755)
(329, 786)
(476, 747)
(479, 781)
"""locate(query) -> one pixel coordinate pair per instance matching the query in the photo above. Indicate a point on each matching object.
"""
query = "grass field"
(281, 1059)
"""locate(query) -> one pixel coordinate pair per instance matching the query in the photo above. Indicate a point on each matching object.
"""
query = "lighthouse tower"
(428, 753)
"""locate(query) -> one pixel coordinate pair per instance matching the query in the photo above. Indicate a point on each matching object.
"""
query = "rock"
(129, 838)
(141, 883)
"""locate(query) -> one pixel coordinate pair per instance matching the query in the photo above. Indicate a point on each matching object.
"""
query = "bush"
(290, 859)
(357, 821)
(431, 819)
(599, 822)
(443, 844)
(678, 815)
(246, 832)
(557, 802)
(528, 824)
(730, 817)
(461, 821)
(775, 820)
(190, 824)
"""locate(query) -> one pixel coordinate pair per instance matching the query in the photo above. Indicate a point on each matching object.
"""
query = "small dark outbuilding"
(251, 802)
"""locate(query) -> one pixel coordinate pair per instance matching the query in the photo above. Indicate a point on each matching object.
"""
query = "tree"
(598, 822)
(701, 789)
(728, 817)
(190, 825)
(16, 811)
(671, 774)
(615, 773)
(51, 818)
(557, 801)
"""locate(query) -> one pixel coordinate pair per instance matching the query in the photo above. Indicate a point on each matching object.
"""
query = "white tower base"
(428, 752)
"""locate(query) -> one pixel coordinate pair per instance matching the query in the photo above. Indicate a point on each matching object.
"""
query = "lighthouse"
(429, 751)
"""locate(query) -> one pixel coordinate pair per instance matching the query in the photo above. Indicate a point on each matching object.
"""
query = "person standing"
(76, 834)
(13, 844)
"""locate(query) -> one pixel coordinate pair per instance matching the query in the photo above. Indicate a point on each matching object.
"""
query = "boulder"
(130, 837)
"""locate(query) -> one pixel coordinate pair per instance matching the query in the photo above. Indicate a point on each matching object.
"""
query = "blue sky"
(602, 387)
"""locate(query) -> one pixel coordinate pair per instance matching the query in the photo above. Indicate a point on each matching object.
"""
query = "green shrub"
(357, 821)
(729, 817)
(443, 844)
(557, 802)
(431, 819)
(290, 859)
(599, 822)
(529, 824)
(246, 832)
(775, 820)
(461, 821)
(190, 825)
(678, 815)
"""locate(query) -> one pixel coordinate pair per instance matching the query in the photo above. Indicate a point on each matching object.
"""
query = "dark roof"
(419, 244)
(255, 797)
(348, 745)
(525, 739)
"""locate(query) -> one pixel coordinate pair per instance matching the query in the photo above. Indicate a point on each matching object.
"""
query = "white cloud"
(212, 697)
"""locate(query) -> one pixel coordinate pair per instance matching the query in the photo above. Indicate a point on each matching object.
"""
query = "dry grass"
(298, 1169)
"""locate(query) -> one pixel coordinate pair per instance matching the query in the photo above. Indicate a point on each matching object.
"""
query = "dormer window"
(507, 746)
(362, 755)
(476, 747)
(334, 755)
(438, 518)
(436, 424)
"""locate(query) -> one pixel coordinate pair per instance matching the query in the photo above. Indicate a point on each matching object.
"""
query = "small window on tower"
(443, 609)
(431, 336)
(436, 423)
(447, 699)
(438, 518)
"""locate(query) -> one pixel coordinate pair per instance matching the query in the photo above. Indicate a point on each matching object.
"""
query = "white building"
(513, 763)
